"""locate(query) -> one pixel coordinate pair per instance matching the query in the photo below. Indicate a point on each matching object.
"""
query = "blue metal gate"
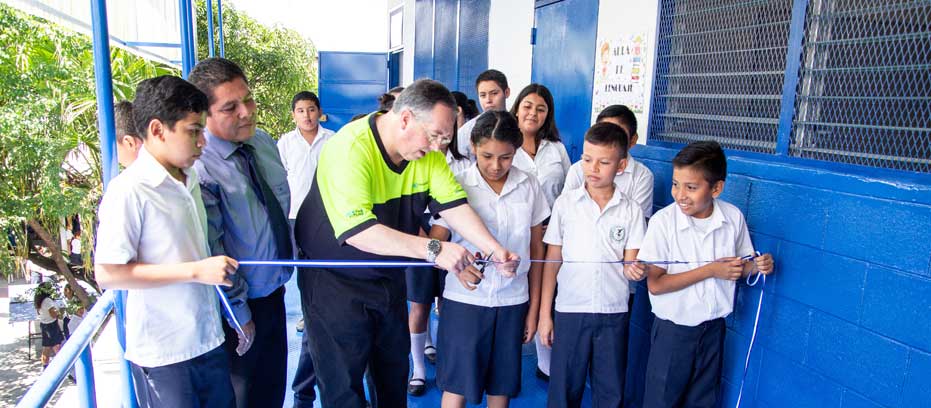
(350, 83)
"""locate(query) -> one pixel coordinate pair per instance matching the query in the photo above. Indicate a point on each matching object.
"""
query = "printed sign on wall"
(620, 73)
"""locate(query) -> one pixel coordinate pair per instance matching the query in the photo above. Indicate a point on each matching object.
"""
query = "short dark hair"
(396, 90)
(608, 134)
(304, 96)
(492, 75)
(706, 156)
(469, 110)
(498, 125)
(213, 72)
(385, 102)
(166, 98)
(622, 113)
(548, 130)
(421, 96)
(123, 117)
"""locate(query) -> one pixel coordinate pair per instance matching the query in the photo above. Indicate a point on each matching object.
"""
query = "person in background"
(49, 312)
(128, 141)
(493, 92)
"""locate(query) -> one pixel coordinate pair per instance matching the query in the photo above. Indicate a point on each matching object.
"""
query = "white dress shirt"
(149, 217)
(672, 235)
(588, 233)
(549, 166)
(509, 217)
(300, 160)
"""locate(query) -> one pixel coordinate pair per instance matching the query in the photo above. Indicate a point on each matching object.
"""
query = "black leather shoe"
(416, 387)
(541, 375)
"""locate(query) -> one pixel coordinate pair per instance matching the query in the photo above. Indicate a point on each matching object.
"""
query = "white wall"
(509, 49)
(407, 57)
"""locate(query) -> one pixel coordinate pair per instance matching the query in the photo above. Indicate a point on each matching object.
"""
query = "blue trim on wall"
(473, 43)
(791, 77)
(445, 46)
(423, 39)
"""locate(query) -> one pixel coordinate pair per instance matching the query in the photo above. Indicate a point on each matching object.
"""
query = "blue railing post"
(791, 76)
(210, 28)
(84, 376)
(220, 26)
(105, 123)
(187, 37)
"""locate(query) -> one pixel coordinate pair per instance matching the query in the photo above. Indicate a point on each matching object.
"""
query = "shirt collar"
(224, 148)
(581, 194)
(717, 218)
(473, 178)
(152, 172)
(630, 165)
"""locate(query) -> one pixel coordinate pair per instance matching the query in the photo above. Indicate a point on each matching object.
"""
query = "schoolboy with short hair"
(153, 243)
(593, 222)
(128, 141)
(493, 92)
(690, 303)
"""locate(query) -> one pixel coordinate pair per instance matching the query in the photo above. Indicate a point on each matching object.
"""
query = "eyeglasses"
(433, 138)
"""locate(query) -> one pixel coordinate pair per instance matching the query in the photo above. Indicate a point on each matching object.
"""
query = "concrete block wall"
(846, 319)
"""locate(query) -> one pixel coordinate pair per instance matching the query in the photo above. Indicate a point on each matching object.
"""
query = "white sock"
(543, 355)
(429, 339)
(418, 341)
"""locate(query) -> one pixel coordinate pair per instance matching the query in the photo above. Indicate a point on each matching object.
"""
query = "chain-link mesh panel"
(720, 67)
(864, 94)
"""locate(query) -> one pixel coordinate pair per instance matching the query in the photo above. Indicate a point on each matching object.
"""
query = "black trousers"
(588, 346)
(305, 378)
(357, 324)
(684, 368)
(260, 376)
(201, 382)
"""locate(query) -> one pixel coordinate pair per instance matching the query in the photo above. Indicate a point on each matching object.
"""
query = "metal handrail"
(76, 352)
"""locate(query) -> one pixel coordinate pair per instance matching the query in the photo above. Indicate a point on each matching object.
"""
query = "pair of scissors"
(483, 262)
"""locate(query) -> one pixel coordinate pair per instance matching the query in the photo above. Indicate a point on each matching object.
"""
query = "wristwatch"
(433, 250)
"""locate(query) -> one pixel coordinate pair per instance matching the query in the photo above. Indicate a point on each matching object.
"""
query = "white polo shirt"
(587, 233)
(509, 217)
(300, 160)
(464, 139)
(672, 235)
(636, 181)
(549, 166)
(148, 217)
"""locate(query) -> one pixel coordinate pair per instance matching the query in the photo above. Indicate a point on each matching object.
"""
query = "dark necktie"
(267, 197)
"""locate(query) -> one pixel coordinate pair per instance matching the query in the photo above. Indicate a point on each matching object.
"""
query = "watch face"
(434, 246)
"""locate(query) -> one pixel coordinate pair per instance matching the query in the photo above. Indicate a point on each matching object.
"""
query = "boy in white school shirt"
(152, 241)
(690, 303)
(599, 223)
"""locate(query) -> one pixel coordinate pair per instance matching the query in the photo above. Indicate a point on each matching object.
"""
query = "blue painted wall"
(350, 83)
(845, 320)
(451, 42)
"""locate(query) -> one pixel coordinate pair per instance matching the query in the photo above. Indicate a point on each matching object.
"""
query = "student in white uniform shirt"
(595, 222)
(635, 180)
(152, 242)
(470, 362)
(424, 284)
(300, 150)
(691, 300)
(543, 156)
(493, 92)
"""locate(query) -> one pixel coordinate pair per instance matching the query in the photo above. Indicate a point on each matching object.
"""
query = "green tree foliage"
(47, 109)
(278, 62)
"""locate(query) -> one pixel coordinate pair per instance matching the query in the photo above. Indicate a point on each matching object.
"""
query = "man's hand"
(246, 342)
(215, 270)
(635, 272)
(454, 258)
(506, 262)
(730, 268)
(545, 331)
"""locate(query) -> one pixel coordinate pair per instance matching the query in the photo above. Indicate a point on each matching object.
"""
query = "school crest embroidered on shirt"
(617, 233)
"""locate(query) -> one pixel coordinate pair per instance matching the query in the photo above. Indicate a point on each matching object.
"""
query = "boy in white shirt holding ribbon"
(690, 301)
(597, 225)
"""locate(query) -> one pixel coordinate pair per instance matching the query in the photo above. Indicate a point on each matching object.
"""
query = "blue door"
(350, 84)
(564, 61)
